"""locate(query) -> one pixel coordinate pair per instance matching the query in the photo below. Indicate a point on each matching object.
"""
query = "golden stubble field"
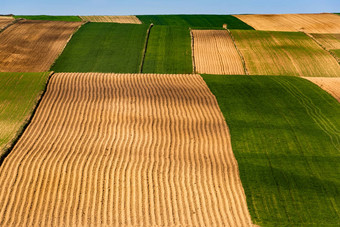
(113, 19)
(124, 149)
(331, 85)
(33, 46)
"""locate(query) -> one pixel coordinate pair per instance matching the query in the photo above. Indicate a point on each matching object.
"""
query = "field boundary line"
(239, 52)
(26, 122)
(68, 40)
(192, 52)
(10, 24)
(145, 47)
(322, 46)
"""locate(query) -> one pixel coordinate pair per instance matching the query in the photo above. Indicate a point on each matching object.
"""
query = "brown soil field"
(113, 19)
(284, 53)
(215, 53)
(310, 23)
(33, 46)
(4, 21)
(124, 149)
(331, 85)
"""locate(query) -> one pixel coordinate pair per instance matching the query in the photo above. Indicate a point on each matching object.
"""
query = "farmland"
(19, 93)
(195, 21)
(33, 46)
(310, 23)
(168, 50)
(215, 53)
(49, 18)
(123, 167)
(104, 47)
(4, 21)
(113, 19)
(284, 53)
(329, 41)
(331, 85)
(285, 137)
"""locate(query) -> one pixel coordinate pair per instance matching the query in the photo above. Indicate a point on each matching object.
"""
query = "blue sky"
(135, 7)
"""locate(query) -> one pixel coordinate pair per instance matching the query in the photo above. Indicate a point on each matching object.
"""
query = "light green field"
(48, 17)
(284, 53)
(19, 93)
(285, 133)
(168, 50)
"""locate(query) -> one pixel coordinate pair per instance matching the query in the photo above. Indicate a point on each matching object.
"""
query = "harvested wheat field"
(113, 19)
(4, 21)
(215, 53)
(32, 46)
(310, 23)
(284, 53)
(124, 149)
(331, 85)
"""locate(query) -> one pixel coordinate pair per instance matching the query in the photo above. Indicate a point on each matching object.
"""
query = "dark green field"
(195, 21)
(47, 17)
(168, 51)
(285, 133)
(104, 47)
(18, 96)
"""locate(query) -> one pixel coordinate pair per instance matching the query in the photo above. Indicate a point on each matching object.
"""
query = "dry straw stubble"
(113, 19)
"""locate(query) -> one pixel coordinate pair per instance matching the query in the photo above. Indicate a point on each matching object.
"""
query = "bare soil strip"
(331, 85)
(215, 53)
(310, 23)
(32, 46)
(4, 21)
(113, 19)
(124, 149)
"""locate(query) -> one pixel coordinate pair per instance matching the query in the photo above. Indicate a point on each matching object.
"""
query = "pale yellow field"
(4, 21)
(284, 53)
(331, 85)
(215, 53)
(113, 19)
(125, 150)
(310, 23)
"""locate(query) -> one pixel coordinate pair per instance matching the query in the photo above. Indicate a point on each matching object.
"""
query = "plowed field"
(125, 149)
(32, 46)
(215, 53)
(113, 19)
(4, 21)
(331, 85)
(310, 23)
(284, 53)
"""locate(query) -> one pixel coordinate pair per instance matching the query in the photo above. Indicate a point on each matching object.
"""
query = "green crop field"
(104, 47)
(285, 133)
(168, 51)
(195, 21)
(284, 53)
(19, 94)
(47, 17)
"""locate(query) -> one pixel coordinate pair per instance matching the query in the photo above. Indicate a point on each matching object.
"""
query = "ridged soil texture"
(124, 149)
(215, 53)
(112, 19)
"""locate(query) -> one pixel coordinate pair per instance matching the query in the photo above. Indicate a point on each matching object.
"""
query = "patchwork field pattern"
(330, 41)
(168, 50)
(19, 93)
(310, 23)
(195, 21)
(331, 85)
(215, 53)
(33, 46)
(104, 47)
(113, 19)
(286, 138)
(49, 18)
(4, 21)
(107, 149)
(284, 53)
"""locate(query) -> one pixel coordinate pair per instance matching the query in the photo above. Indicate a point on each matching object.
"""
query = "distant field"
(284, 53)
(113, 19)
(215, 53)
(195, 21)
(310, 23)
(4, 21)
(19, 93)
(50, 18)
(330, 42)
(104, 47)
(285, 133)
(168, 51)
(33, 46)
